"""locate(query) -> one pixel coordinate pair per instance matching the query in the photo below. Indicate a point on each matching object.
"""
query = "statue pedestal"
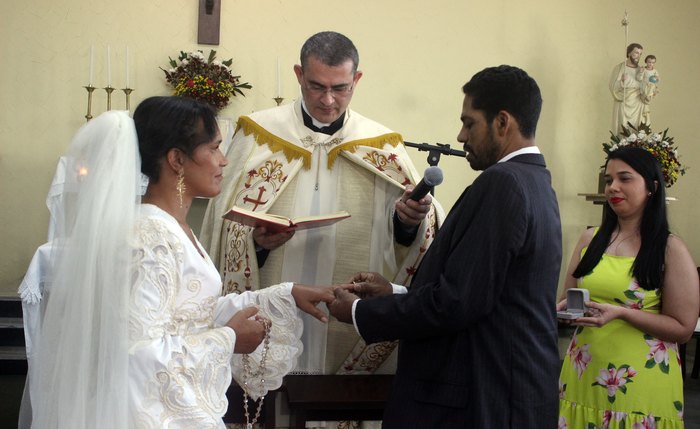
(597, 198)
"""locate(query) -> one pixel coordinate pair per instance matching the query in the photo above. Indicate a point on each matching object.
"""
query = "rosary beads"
(249, 375)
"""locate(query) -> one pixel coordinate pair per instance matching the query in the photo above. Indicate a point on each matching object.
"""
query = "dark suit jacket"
(477, 327)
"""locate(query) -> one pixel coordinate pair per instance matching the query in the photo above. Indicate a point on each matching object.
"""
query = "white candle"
(127, 67)
(279, 82)
(92, 56)
(109, 68)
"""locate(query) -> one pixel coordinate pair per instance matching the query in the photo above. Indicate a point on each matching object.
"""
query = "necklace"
(249, 375)
(614, 239)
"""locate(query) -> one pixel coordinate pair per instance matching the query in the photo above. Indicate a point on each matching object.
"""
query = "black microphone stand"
(434, 152)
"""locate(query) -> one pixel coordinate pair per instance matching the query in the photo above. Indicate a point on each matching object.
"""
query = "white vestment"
(628, 100)
(280, 166)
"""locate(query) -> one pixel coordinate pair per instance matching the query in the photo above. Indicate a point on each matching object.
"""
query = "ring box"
(575, 304)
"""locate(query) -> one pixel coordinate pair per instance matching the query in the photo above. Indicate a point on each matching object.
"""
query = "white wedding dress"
(181, 358)
(132, 334)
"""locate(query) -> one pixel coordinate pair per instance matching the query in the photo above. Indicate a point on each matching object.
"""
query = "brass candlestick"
(109, 90)
(89, 89)
(278, 100)
(127, 92)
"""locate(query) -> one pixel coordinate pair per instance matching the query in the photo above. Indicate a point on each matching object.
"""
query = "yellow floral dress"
(617, 376)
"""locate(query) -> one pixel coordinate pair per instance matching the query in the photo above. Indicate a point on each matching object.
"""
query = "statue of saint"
(630, 105)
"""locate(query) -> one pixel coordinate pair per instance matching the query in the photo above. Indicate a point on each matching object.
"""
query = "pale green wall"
(415, 55)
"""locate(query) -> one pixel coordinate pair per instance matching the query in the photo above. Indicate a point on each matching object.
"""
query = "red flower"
(190, 83)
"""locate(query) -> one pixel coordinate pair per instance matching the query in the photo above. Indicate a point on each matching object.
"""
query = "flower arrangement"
(660, 145)
(206, 79)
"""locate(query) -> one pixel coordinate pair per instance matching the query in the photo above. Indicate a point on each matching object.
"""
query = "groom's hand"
(341, 307)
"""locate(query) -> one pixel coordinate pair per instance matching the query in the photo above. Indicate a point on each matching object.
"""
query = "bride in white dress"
(135, 332)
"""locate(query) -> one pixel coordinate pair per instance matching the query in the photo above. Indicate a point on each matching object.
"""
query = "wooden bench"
(336, 397)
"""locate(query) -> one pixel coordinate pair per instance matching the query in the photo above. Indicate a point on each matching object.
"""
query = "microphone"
(431, 178)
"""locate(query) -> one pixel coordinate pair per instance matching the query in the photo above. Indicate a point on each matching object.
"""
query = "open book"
(276, 223)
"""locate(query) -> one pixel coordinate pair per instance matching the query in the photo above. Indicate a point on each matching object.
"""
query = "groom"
(477, 329)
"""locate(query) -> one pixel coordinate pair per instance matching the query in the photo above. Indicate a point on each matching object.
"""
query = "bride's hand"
(249, 332)
(308, 297)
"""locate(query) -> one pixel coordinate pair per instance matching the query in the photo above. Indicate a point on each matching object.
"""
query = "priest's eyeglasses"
(337, 91)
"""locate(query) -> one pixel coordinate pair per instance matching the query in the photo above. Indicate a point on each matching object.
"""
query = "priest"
(315, 157)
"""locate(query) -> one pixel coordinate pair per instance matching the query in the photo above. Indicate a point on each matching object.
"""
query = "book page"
(253, 219)
(306, 222)
(277, 223)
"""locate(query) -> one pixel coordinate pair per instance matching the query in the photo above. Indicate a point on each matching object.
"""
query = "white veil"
(80, 376)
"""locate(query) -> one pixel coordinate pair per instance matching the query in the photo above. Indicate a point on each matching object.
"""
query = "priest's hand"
(410, 212)
(249, 332)
(271, 240)
(370, 285)
(341, 307)
(308, 297)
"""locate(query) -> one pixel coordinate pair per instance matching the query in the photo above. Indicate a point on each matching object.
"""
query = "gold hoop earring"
(181, 186)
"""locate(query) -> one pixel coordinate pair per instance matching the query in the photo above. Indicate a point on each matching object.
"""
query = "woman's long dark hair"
(648, 266)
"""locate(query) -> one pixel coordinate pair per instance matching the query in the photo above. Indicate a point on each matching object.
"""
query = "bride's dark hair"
(164, 123)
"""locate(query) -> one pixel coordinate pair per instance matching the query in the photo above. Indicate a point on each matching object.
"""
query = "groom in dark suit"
(477, 328)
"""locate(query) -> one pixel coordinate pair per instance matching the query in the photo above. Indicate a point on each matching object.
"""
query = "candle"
(92, 56)
(279, 82)
(127, 67)
(109, 68)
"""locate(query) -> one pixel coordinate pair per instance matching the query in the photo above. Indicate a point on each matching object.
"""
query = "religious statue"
(630, 105)
(649, 77)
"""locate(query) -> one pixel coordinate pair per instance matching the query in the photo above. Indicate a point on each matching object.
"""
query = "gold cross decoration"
(209, 22)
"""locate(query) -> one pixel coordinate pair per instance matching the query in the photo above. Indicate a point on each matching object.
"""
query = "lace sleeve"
(278, 305)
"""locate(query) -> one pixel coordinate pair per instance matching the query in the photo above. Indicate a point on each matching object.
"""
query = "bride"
(135, 332)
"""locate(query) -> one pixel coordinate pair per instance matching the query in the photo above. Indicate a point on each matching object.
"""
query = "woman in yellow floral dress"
(622, 368)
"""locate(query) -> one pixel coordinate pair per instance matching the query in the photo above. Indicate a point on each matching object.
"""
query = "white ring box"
(575, 304)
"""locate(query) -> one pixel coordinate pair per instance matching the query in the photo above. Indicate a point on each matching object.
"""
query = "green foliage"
(205, 79)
